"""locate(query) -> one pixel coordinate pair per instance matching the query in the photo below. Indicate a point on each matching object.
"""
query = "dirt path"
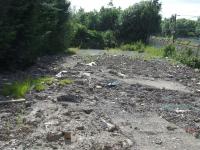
(116, 103)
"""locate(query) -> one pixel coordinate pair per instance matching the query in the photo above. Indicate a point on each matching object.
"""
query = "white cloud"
(169, 7)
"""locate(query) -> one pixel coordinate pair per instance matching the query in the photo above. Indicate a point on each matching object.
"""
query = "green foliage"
(65, 82)
(71, 51)
(188, 59)
(16, 89)
(137, 46)
(140, 21)
(169, 51)
(19, 89)
(154, 52)
(85, 38)
(32, 28)
(109, 39)
(184, 27)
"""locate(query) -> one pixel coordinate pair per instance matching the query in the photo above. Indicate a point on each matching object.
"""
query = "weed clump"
(19, 89)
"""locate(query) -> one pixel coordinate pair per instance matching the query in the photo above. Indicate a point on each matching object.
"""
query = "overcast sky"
(186, 8)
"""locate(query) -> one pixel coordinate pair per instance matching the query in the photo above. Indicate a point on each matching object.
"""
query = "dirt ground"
(118, 102)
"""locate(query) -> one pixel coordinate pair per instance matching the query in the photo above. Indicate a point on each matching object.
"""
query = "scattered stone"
(98, 87)
(68, 98)
(196, 70)
(88, 111)
(158, 142)
(80, 128)
(127, 143)
(113, 83)
(67, 136)
(171, 127)
(197, 135)
(136, 128)
(110, 127)
(53, 136)
(198, 83)
(85, 74)
(197, 120)
(121, 75)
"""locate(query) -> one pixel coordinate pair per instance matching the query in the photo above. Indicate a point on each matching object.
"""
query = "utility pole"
(173, 30)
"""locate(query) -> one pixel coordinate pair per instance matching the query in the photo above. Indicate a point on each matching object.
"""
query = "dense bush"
(30, 28)
(109, 38)
(85, 38)
(169, 51)
(140, 21)
(137, 46)
(133, 24)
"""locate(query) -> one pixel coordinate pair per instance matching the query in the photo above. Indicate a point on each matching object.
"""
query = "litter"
(113, 83)
(91, 64)
(60, 74)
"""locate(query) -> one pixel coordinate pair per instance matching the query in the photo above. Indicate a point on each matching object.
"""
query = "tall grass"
(137, 46)
(16, 89)
(154, 52)
(19, 89)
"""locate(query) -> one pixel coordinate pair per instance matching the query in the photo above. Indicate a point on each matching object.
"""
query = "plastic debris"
(91, 64)
(60, 74)
(113, 83)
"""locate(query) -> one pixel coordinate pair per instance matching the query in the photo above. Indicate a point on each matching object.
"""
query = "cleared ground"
(117, 102)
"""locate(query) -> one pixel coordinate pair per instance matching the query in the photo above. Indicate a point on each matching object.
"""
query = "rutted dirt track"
(116, 103)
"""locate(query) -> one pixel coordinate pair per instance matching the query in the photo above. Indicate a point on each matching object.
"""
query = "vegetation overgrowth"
(19, 89)
(34, 28)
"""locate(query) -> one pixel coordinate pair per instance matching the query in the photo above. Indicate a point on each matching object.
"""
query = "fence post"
(198, 49)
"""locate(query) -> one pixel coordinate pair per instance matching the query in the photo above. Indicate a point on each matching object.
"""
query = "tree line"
(113, 26)
(183, 28)
(33, 28)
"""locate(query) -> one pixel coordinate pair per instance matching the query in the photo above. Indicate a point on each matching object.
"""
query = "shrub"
(19, 89)
(138, 46)
(30, 28)
(85, 38)
(109, 39)
(169, 51)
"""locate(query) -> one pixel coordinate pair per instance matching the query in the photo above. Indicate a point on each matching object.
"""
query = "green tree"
(140, 21)
(31, 28)
(186, 28)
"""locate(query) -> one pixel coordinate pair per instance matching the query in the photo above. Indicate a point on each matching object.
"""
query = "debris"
(60, 74)
(198, 83)
(67, 137)
(53, 136)
(13, 101)
(113, 83)
(191, 130)
(85, 74)
(158, 142)
(119, 74)
(98, 87)
(196, 70)
(181, 111)
(80, 128)
(171, 127)
(197, 120)
(91, 64)
(88, 111)
(68, 98)
(109, 126)
(127, 143)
